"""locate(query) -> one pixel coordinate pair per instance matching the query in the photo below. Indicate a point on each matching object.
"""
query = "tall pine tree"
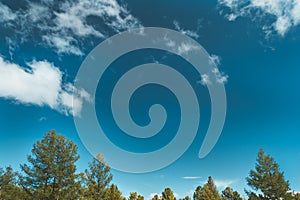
(267, 180)
(98, 178)
(51, 172)
(207, 192)
(168, 194)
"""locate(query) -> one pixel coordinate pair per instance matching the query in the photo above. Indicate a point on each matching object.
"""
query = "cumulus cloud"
(65, 25)
(40, 84)
(286, 13)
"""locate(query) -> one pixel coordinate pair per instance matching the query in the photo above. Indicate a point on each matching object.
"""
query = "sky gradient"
(255, 45)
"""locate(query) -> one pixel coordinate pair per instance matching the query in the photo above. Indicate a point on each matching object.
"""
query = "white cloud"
(190, 33)
(205, 80)
(65, 25)
(214, 59)
(215, 73)
(152, 195)
(192, 177)
(185, 48)
(286, 12)
(41, 85)
(64, 44)
(220, 76)
(221, 184)
(180, 48)
(6, 14)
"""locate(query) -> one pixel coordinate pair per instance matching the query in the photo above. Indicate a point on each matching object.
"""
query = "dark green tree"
(207, 192)
(267, 180)
(9, 188)
(229, 194)
(168, 194)
(135, 196)
(98, 178)
(51, 173)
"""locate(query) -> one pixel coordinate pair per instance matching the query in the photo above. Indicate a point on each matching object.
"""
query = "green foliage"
(229, 194)
(156, 197)
(135, 196)
(207, 192)
(98, 178)
(9, 189)
(113, 193)
(168, 194)
(266, 179)
(51, 175)
(51, 172)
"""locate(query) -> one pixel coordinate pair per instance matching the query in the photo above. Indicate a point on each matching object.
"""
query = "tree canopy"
(51, 174)
(266, 179)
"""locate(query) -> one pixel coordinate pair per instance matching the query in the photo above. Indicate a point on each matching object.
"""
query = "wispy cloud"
(192, 177)
(220, 76)
(180, 48)
(64, 25)
(286, 13)
(6, 13)
(215, 74)
(190, 33)
(41, 85)
(152, 195)
(221, 184)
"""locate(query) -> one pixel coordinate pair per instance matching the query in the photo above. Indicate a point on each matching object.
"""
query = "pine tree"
(51, 172)
(168, 194)
(156, 197)
(113, 193)
(267, 179)
(98, 178)
(135, 196)
(207, 192)
(9, 188)
(229, 194)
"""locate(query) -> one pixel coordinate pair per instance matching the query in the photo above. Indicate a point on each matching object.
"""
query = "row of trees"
(51, 175)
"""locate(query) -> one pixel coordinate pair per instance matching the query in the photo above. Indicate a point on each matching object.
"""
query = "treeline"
(51, 174)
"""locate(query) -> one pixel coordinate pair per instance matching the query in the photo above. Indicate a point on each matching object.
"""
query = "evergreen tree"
(135, 196)
(168, 194)
(9, 188)
(113, 193)
(267, 179)
(207, 192)
(51, 172)
(229, 194)
(156, 197)
(198, 193)
(98, 178)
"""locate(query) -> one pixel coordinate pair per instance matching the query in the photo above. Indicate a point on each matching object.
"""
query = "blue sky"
(255, 44)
